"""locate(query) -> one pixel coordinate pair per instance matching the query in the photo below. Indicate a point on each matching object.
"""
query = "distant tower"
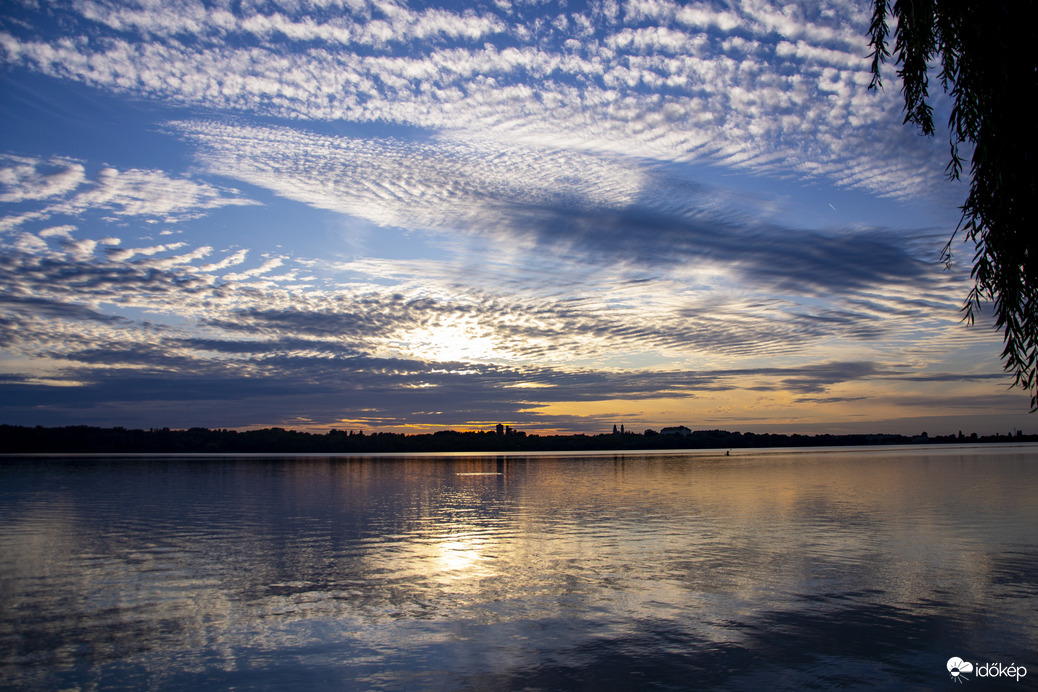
(621, 428)
(614, 428)
(500, 429)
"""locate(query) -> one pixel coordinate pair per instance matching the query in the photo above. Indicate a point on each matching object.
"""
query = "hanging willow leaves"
(989, 68)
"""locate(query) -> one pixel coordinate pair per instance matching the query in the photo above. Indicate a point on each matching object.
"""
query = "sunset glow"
(414, 217)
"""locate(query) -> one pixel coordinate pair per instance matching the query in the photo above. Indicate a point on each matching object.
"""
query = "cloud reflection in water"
(774, 569)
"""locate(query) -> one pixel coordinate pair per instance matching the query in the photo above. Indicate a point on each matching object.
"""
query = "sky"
(365, 215)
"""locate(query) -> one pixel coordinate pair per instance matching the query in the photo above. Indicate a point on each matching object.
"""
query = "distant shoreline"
(81, 439)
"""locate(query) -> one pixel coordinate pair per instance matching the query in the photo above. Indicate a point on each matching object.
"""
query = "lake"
(858, 568)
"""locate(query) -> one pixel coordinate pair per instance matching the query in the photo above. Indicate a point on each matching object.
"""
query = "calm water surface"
(817, 569)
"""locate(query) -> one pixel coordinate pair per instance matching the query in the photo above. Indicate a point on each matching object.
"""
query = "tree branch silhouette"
(990, 70)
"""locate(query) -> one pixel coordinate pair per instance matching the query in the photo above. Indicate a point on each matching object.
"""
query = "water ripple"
(840, 569)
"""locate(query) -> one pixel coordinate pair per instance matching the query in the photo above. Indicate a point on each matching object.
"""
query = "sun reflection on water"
(457, 568)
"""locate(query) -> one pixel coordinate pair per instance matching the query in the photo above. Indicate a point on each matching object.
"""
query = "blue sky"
(387, 216)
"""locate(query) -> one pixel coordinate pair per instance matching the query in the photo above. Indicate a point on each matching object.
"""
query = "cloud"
(650, 284)
(86, 283)
(437, 317)
(23, 178)
(256, 271)
(229, 261)
(43, 307)
(64, 231)
(327, 384)
(430, 315)
(399, 183)
(757, 88)
(432, 346)
(61, 187)
(590, 207)
(123, 254)
(382, 23)
(540, 153)
(593, 277)
(148, 193)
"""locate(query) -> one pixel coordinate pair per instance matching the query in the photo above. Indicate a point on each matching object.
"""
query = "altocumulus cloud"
(751, 85)
(350, 351)
(601, 206)
(527, 207)
(377, 354)
(61, 187)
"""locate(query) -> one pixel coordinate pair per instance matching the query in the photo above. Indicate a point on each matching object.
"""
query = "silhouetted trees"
(81, 438)
(990, 69)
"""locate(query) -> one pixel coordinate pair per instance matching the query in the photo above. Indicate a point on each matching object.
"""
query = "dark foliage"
(989, 68)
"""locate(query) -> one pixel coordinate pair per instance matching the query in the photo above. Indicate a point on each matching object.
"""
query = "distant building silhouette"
(676, 430)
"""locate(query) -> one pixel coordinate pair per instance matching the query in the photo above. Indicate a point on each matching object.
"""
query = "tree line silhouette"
(88, 439)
